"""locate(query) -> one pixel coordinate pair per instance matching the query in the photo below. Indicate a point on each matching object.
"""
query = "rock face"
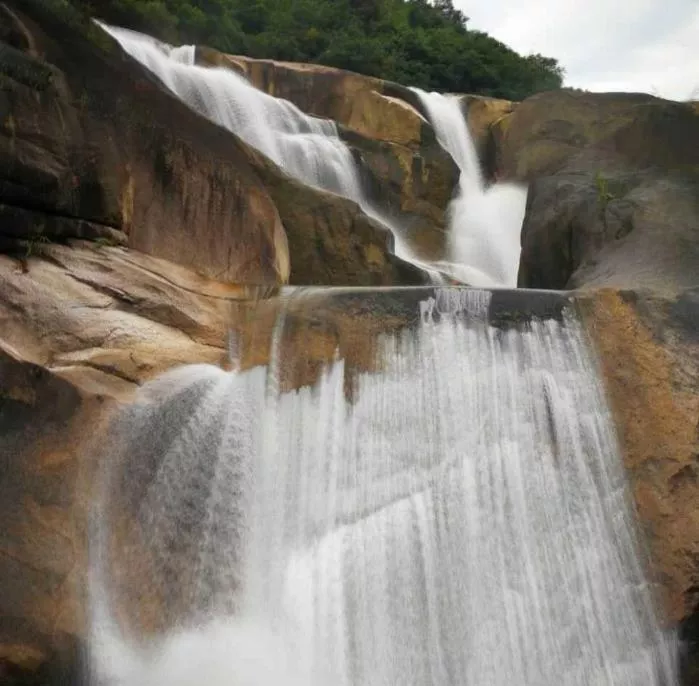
(89, 139)
(405, 168)
(116, 316)
(614, 181)
(332, 241)
(649, 356)
(42, 540)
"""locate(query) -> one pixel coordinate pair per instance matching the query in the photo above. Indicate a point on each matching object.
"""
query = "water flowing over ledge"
(460, 517)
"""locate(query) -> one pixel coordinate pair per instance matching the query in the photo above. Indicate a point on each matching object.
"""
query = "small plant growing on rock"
(22, 249)
(604, 195)
(106, 242)
(36, 243)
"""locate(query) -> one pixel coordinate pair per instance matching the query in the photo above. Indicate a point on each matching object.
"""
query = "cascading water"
(307, 148)
(485, 223)
(461, 520)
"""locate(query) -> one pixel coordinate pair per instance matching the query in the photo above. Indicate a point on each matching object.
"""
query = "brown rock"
(331, 241)
(548, 132)
(102, 308)
(412, 189)
(43, 509)
(354, 100)
(320, 326)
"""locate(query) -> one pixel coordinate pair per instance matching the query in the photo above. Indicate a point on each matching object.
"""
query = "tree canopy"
(414, 42)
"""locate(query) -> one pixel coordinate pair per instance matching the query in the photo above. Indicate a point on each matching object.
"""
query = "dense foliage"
(414, 42)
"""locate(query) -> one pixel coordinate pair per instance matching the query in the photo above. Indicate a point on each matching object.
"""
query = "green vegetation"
(414, 42)
(604, 195)
(34, 244)
(106, 242)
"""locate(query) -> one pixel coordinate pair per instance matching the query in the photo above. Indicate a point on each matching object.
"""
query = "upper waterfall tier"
(310, 149)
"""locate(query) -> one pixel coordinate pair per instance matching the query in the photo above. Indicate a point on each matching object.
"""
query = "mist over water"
(463, 519)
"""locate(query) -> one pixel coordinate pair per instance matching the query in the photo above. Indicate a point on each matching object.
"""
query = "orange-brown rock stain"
(656, 413)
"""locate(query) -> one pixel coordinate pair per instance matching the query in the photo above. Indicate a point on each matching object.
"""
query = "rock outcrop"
(115, 315)
(613, 186)
(80, 327)
(353, 100)
(43, 533)
(93, 142)
(331, 241)
(483, 115)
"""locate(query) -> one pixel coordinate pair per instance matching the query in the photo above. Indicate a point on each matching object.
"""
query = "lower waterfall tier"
(457, 515)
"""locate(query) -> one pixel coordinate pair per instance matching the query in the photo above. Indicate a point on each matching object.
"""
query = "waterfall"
(305, 147)
(485, 222)
(461, 519)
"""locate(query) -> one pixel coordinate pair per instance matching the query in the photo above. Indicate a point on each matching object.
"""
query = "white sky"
(648, 46)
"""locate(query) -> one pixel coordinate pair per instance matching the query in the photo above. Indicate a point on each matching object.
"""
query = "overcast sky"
(650, 46)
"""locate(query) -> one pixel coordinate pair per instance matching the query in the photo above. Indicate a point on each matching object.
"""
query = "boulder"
(331, 241)
(649, 357)
(613, 185)
(557, 130)
(625, 229)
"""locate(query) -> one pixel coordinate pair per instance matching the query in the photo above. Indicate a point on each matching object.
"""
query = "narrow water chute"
(484, 221)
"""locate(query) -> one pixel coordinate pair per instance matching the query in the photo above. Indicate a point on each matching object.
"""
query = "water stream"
(459, 519)
(485, 221)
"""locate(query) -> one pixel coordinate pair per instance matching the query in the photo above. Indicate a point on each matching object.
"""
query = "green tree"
(423, 43)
